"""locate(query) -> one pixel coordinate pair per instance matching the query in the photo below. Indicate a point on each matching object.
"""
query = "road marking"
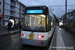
(60, 43)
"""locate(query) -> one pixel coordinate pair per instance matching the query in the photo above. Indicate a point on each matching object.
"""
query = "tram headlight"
(43, 16)
(41, 36)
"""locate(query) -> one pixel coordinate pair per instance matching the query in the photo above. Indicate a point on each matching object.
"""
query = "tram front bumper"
(41, 43)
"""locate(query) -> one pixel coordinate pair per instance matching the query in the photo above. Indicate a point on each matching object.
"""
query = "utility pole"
(65, 12)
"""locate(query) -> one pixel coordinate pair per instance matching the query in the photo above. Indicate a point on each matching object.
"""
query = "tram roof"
(38, 6)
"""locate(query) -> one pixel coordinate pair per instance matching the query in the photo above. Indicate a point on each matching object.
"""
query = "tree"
(56, 18)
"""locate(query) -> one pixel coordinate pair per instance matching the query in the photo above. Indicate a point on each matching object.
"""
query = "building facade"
(11, 9)
(1, 12)
(22, 9)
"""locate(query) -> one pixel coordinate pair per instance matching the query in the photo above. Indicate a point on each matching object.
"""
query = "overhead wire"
(61, 5)
(54, 5)
(29, 2)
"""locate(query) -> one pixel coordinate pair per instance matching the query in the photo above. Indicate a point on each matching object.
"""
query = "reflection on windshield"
(32, 21)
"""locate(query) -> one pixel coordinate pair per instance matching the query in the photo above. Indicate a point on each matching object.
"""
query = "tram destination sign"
(34, 11)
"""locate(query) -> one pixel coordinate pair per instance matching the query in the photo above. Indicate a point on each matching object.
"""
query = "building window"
(12, 13)
(7, 1)
(21, 11)
(12, 7)
(22, 15)
(6, 17)
(7, 11)
(17, 4)
(17, 9)
(7, 5)
(16, 13)
(0, 3)
(12, 2)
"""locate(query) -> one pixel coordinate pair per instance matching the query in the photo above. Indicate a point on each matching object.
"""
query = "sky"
(57, 5)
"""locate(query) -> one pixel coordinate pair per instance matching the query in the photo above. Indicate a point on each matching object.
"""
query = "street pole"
(65, 12)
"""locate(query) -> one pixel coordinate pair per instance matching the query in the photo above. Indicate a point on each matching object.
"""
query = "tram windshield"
(33, 21)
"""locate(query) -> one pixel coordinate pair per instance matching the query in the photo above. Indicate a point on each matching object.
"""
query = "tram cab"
(37, 28)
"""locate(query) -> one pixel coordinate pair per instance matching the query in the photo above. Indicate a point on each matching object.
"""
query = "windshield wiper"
(36, 27)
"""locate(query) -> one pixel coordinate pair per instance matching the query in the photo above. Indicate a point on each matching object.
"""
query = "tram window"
(34, 21)
(48, 23)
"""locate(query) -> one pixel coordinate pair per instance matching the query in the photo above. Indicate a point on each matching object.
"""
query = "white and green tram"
(38, 26)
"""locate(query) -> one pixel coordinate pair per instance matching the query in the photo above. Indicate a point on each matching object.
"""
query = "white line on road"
(60, 43)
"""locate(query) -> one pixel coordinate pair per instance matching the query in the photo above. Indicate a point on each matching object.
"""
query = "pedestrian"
(9, 26)
(16, 25)
(19, 25)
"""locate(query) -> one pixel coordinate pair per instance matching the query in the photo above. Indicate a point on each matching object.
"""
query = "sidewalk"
(3, 31)
(62, 40)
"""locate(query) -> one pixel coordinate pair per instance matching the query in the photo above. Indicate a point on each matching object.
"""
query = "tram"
(38, 26)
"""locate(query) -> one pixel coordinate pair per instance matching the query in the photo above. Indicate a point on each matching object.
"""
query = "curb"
(52, 39)
(9, 33)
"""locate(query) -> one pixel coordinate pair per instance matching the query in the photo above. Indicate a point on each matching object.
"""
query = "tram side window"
(48, 23)
(52, 23)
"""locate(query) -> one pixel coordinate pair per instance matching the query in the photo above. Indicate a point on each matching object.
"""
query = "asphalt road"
(63, 40)
(12, 42)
